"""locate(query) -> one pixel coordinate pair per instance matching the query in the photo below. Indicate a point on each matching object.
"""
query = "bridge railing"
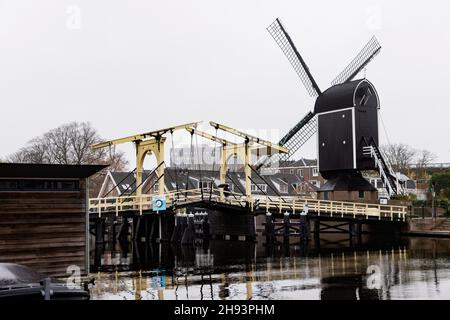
(257, 202)
(333, 208)
(145, 201)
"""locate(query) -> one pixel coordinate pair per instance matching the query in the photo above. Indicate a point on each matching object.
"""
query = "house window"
(315, 172)
(259, 187)
(205, 184)
(361, 194)
(325, 195)
(156, 187)
(300, 172)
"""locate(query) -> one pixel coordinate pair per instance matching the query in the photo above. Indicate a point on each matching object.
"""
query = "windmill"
(345, 117)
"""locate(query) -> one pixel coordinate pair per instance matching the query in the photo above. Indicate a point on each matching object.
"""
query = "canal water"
(332, 268)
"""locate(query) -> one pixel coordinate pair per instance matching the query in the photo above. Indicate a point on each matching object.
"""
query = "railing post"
(331, 208)
(117, 207)
(99, 208)
(318, 207)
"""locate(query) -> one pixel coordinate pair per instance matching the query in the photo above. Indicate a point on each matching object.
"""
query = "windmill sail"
(370, 50)
(293, 140)
(284, 41)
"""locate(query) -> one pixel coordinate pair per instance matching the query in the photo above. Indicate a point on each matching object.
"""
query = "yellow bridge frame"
(153, 143)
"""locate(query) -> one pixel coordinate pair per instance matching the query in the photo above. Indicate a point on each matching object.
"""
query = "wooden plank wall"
(44, 230)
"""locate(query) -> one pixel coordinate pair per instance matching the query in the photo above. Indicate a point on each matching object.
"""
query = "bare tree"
(400, 156)
(425, 158)
(70, 144)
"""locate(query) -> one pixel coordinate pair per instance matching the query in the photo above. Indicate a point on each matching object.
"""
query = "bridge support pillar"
(286, 230)
(316, 228)
(269, 228)
(189, 233)
(113, 232)
(304, 228)
(99, 230)
(137, 223)
(123, 233)
(180, 227)
(355, 232)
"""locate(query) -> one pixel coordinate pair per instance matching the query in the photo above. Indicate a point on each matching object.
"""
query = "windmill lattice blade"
(370, 50)
(293, 140)
(282, 38)
(299, 135)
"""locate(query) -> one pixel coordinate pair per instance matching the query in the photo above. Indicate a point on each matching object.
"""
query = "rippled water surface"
(407, 268)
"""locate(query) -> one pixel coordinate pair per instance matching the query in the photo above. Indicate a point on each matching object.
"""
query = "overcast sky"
(133, 66)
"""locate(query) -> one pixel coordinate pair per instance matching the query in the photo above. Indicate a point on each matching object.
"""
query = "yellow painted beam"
(249, 137)
(210, 136)
(142, 136)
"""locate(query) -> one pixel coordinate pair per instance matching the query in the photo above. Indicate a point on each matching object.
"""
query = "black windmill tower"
(345, 116)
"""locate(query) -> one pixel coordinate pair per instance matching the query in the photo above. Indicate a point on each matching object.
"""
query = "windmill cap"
(345, 95)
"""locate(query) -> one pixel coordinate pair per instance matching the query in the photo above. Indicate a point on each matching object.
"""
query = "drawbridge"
(219, 196)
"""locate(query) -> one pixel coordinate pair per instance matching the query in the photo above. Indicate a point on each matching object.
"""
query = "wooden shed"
(44, 216)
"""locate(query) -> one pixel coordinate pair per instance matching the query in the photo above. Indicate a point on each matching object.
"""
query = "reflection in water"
(414, 268)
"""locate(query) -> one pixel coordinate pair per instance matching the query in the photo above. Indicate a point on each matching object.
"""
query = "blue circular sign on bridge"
(159, 204)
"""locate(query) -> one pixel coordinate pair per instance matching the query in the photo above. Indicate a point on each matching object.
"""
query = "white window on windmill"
(156, 187)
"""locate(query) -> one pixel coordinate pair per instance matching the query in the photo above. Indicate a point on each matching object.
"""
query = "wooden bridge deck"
(258, 204)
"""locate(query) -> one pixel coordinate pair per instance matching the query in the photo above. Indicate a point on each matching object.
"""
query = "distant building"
(293, 178)
(122, 183)
(409, 186)
(304, 169)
